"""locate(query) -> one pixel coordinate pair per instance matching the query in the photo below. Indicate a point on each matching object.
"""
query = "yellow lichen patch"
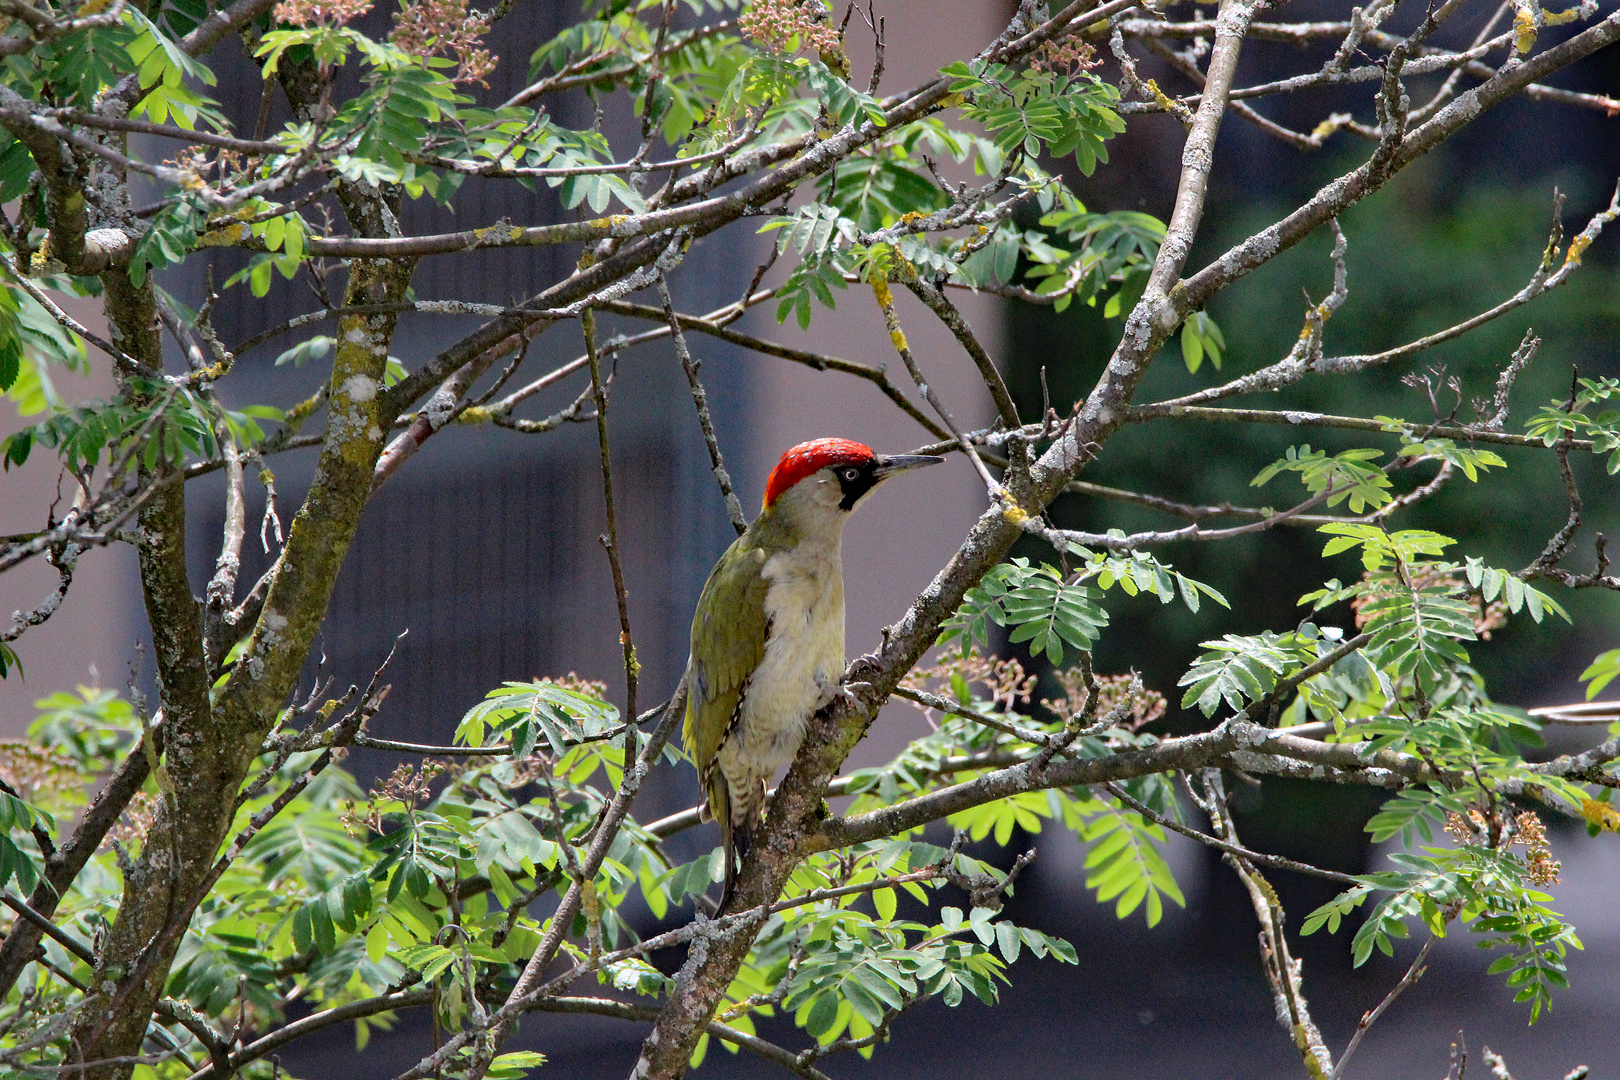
(608, 222)
(223, 236)
(885, 299)
(1601, 814)
(1014, 514)
(1164, 101)
(502, 232)
(969, 241)
(299, 412)
(1524, 28)
(731, 1012)
(213, 371)
(475, 414)
(1313, 1066)
(1558, 18)
(1577, 247)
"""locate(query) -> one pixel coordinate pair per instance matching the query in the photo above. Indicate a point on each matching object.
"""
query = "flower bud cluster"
(1527, 830)
(305, 13)
(785, 26)
(1068, 57)
(446, 28)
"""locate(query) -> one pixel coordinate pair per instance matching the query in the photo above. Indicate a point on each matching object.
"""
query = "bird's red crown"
(810, 457)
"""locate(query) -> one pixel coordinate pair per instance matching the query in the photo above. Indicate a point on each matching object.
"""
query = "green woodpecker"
(768, 635)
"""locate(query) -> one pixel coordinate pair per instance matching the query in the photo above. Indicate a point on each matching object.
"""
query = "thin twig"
(610, 539)
(1413, 974)
(1585, 712)
(700, 399)
(67, 321)
(1520, 359)
(442, 408)
(941, 305)
(1274, 861)
(1291, 368)
(1282, 970)
(1299, 418)
(624, 1010)
(50, 929)
(716, 324)
(885, 300)
(65, 560)
(221, 593)
(1558, 545)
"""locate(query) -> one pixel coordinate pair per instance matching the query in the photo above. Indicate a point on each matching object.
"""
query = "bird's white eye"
(852, 474)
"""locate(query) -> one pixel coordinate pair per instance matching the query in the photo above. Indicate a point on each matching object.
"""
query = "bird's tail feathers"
(737, 827)
(717, 805)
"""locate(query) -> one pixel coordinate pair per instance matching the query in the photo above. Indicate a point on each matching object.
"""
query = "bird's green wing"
(728, 642)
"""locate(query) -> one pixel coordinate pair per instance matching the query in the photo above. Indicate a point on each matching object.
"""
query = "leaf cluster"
(1572, 419)
(155, 423)
(1487, 889)
(1030, 111)
(1036, 602)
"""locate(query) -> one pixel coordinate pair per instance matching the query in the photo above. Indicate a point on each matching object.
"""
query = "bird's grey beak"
(888, 465)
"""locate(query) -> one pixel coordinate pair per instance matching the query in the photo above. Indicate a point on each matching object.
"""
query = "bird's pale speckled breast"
(804, 659)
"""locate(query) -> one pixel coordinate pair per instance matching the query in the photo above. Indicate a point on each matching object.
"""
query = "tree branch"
(700, 400)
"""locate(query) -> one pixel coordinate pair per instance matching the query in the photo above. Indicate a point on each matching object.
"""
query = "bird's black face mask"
(857, 480)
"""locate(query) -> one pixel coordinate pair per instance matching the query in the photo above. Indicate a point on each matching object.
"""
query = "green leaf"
(321, 925)
(1192, 348)
(1026, 111)
(11, 345)
(1008, 941)
(1239, 669)
(1349, 475)
(1042, 609)
(875, 192)
(1125, 863)
(515, 1065)
(1600, 672)
(524, 711)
